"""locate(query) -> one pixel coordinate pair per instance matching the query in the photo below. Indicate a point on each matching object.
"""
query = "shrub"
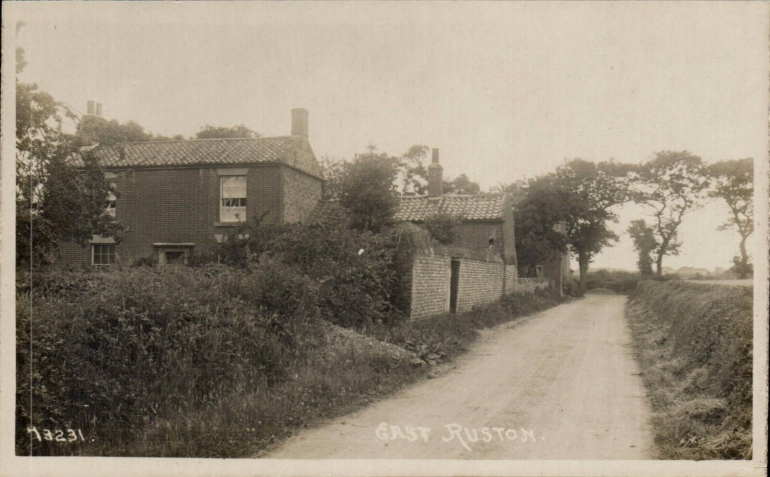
(134, 343)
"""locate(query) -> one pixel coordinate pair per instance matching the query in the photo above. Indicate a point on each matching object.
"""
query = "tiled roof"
(469, 207)
(284, 149)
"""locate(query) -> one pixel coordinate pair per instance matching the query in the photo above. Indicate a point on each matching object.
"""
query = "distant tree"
(733, 181)
(644, 244)
(671, 184)
(412, 170)
(517, 191)
(592, 191)
(461, 185)
(443, 228)
(334, 170)
(55, 202)
(94, 128)
(160, 137)
(368, 189)
(220, 132)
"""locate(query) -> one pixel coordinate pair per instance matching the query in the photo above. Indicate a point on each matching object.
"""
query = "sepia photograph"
(384, 238)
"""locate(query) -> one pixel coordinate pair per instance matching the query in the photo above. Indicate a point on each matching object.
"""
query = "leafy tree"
(592, 191)
(733, 181)
(443, 228)
(333, 170)
(109, 133)
(414, 174)
(220, 132)
(671, 185)
(644, 243)
(368, 189)
(536, 220)
(54, 201)
(461, 185)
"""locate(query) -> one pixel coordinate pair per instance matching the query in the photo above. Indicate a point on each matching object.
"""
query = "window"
(232, 207)
(111, 199)
(103, 254)
(174, 254)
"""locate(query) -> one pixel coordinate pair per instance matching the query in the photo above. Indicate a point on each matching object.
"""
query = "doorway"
(454, 285)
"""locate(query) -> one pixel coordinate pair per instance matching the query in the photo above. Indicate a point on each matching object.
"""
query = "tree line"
(572, 206)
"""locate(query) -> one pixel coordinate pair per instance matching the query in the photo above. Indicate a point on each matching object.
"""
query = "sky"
(506, 91)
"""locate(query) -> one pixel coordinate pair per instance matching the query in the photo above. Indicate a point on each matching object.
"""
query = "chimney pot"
(299, 122)
(435, 176)
(90, 107)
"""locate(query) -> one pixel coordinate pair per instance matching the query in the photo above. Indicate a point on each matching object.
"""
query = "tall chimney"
(435, 177)
(90, 107)
(299, 123)
(99, 109)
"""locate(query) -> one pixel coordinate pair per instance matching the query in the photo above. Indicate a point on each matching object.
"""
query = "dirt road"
(561, 384)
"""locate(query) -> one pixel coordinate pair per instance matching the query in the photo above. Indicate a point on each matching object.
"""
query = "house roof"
(288, 150)
(469, 207)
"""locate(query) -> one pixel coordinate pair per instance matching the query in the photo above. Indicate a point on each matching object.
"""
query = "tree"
(443, 228)
(461, 185)
(414, 174)
(220, 132)
(334, 170)
(733, 181)
(592, 191)
(670, 185)
(368, 189)
(644, 243)
(536, 219)
(55, 202)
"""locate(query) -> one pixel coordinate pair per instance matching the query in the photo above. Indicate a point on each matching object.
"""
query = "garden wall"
(480, 283)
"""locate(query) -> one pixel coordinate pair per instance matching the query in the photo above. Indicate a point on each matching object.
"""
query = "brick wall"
(301, 194)
(480, 283)
(511, 278)
(179, 206)
(430, 286)
(528, 285)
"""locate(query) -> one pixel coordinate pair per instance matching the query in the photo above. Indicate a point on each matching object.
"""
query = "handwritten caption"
(56, 435)
(456, 433)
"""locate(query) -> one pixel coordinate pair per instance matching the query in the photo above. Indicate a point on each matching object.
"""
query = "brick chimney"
(299, 123)
(88, 122)
(435, 177)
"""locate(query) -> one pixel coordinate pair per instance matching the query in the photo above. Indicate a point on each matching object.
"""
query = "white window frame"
(229, 216)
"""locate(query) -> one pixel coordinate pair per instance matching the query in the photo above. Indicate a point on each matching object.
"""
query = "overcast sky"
(506, 91)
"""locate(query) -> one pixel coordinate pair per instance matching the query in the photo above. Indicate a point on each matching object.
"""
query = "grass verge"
(694, 346)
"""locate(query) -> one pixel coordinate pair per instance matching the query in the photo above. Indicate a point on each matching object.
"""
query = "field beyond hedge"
(694, 345)
(212, 361)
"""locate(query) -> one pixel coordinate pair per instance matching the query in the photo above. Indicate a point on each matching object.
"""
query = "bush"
(134, 343)
(358, 270)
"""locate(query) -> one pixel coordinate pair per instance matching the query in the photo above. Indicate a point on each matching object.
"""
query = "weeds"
(693, 343)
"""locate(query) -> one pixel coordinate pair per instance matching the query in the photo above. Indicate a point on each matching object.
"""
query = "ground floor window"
(103, 254)
(174, 255)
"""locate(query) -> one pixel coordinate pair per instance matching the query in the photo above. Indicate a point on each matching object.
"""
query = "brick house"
(177, 197)
(486, 232)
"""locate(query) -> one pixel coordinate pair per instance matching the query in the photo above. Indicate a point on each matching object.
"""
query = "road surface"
(561, 384)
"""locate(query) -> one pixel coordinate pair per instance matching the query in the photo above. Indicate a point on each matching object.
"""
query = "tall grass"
(206, 362)
(694, 344)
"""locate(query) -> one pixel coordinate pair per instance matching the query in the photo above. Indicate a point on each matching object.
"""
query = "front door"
(454, 285)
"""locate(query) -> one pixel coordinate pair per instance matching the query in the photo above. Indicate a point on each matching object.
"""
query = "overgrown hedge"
(698, 360)
(112, 350)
